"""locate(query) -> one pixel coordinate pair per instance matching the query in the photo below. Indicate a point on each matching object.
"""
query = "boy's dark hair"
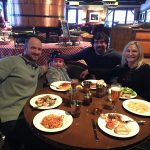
(100, 36)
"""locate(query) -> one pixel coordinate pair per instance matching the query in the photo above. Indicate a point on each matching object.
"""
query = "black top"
(137, 79)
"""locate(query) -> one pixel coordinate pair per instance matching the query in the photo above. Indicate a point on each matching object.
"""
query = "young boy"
(57, 70)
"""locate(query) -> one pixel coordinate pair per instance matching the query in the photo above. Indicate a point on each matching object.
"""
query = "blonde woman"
(134, 72)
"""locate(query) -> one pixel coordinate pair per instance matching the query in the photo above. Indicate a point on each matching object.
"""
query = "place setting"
(53, 120)
(137, 106)
(46, 101)
(118, 125)
(60, 86)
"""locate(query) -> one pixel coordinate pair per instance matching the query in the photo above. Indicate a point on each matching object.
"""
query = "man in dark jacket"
(97, 56)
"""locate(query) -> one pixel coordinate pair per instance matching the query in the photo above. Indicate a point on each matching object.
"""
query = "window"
(109, 18)
(148, 16)
(71, 16)
(130, 17)
(122, 16)
(119, 17)
(80, 16)
(74, 15)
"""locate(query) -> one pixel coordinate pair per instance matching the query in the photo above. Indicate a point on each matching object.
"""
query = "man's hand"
(84, 74)
(45, 68)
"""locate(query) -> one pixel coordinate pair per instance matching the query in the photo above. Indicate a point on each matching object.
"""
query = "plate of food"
(46, 101)
(137, 106)
(92, 85)
(60, 85)
(115, 125)
(53, 120)
(127, 93)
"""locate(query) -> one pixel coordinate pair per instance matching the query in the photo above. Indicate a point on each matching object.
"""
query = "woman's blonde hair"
(139, 61)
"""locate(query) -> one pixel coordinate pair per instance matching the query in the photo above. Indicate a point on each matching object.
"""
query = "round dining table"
(80, 134)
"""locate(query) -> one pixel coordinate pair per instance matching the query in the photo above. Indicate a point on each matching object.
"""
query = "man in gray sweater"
(18, 81)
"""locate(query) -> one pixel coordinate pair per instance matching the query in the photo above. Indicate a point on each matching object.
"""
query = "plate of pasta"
(137, 106)
(53, 120)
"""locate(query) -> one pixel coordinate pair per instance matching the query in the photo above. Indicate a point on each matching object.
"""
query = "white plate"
(132, 125)
(67, 120)
(56, 104)
(126, 102)
(54, 85)
(132, 96)
(109, 91)
(92, 81)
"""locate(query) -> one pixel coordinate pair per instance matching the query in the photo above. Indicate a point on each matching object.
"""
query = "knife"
(94, 130)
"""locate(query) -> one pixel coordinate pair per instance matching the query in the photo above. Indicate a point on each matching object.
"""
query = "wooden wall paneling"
(146, 48)
(119, 37)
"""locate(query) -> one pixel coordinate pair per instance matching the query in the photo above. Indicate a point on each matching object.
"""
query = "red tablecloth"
(10, 50)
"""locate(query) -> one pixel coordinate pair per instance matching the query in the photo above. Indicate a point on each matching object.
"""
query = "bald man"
(18, 81)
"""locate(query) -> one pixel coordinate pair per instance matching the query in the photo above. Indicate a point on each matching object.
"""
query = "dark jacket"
(104, 62)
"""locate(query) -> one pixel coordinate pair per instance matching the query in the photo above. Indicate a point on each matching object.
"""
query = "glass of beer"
(115, 93)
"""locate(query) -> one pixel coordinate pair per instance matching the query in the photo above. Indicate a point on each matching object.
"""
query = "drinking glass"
(86, 86)
(74, 83)
(115, 93)
(75, 108)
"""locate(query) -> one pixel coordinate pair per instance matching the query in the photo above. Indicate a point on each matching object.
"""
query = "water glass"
(75, 108)
(86, 86)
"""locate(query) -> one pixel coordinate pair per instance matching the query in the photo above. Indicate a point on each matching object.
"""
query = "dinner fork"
(139, 121)
(55, 86)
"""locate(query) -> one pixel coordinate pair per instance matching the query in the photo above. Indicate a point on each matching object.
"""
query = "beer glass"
(115, 93)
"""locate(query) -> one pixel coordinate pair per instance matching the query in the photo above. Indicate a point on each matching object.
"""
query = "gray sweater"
(53, 74)
(18, 81)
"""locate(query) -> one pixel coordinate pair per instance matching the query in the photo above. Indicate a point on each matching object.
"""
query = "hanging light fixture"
(110, 3)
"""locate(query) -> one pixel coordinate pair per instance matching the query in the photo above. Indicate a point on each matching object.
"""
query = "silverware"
(139, 121)
(94, 130)
(55, 86)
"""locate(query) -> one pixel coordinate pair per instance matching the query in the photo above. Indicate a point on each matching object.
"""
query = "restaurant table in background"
(9, 49)
(80, 134)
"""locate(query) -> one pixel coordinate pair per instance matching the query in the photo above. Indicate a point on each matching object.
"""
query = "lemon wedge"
(79, 87)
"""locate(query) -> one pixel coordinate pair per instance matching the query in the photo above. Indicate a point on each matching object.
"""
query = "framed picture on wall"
(94, 17)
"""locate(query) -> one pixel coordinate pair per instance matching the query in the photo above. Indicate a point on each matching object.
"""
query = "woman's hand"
(84, 74)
